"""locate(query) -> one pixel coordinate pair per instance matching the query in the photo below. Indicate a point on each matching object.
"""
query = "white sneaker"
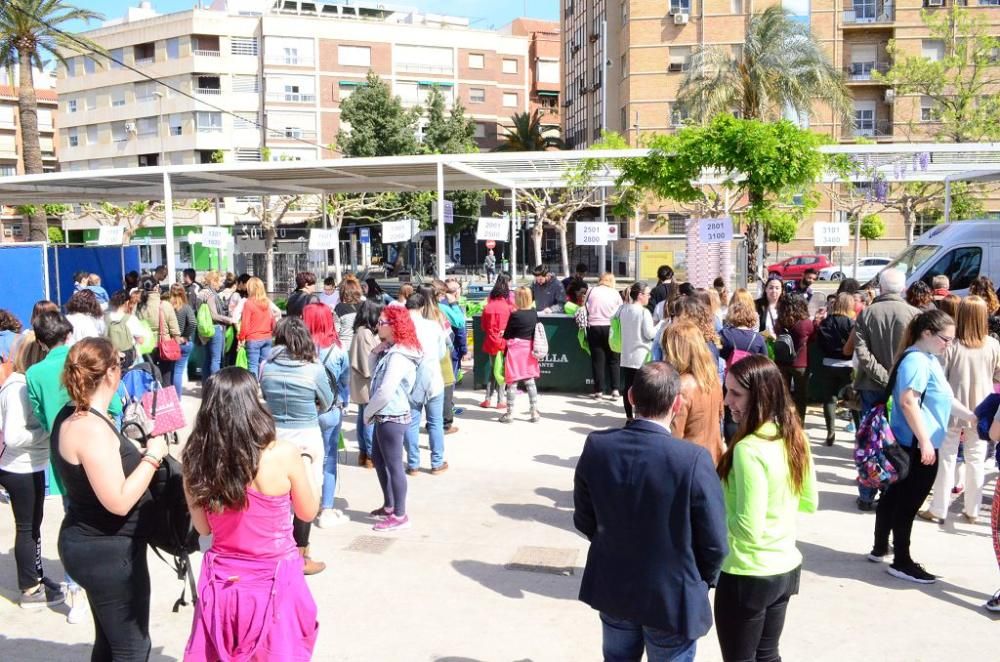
(330, 518)
(78, 606)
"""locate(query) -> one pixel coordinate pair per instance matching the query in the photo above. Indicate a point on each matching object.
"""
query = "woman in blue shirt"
(923, 404)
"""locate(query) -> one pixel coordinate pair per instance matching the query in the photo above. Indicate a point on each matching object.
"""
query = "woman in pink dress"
(520, 364)
(240, 483)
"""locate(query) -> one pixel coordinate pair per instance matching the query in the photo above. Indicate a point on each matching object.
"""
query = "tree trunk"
(907, 213)
(270, 236)
(31, 150)
(537, 233)
(563, 253)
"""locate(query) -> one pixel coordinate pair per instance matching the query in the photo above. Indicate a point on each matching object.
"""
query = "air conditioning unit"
(675, 66)
(890, 96)
(130, 127)
(682, 19)
(935, 3)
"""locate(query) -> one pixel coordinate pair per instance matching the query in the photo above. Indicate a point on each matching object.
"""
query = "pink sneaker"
(380, 513)
(392, 523)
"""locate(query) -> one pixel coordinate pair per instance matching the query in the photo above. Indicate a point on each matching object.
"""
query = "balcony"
(143, 61)
(419, 67)
(877, 129)
(869, 14)
(859, 72)
(292, 97)
(214, 91)
(294, 134)
(206, 53)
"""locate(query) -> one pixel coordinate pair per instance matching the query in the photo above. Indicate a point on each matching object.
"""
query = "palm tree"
(527, 135)
(780, 66)
(30, 29)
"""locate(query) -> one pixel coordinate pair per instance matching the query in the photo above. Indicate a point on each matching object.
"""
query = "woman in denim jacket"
(394, 373)
(296, 389)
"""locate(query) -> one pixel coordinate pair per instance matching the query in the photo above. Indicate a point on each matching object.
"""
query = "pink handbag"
(163, 407)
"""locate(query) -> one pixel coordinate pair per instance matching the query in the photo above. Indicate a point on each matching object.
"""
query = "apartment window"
(509, 65)
(91, 134)
(89, 65)
(736, 6)
(678, 115)
(246, 121)
(929, 111)
(74, 138)
(175, 124)
(71, 106)
(932, 49)
(119, 134)
(44, 119)
(477, 95)
(292, 93)
(145, 91)
(243, 83)
(117, 57)
(70, 67)
(679, 58)
(144, 53)
(864, 118)
(989, 3)
(7, 117)
(354, 56)
(92, 101)
(479, 131)
(209, 122)
(477, 61)
(117, 98)
(8, 170)
(291, 55)
(345, 90)
(243, 45)
(173, 48)
(547, 71)
(680, 6)
(510, 99)
(147, 126)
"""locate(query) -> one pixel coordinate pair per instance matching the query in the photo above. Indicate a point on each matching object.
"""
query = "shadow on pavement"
(36, 650)
(556, 461)
(560, 518)
(517, 583)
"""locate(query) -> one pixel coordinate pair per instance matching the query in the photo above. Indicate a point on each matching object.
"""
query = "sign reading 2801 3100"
(715, 230)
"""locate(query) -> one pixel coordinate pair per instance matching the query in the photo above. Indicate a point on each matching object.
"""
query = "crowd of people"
(710, 469)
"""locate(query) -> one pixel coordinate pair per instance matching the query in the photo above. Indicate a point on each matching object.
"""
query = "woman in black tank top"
(102, 542)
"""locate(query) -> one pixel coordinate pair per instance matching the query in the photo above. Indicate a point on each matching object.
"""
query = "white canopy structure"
(436, 172)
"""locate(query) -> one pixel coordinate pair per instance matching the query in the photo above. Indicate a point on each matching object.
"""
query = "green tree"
(55, 235)
(527, 135)
(378, 123)
(780, 65)
(764, 161)
(780, 225)
(872, 227)
(30, 34)
(962, 85)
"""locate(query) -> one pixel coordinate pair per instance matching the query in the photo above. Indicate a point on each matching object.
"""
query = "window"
(91, 134)
(44, 119)
(510, 99)
(144, 53)
(147, 126)
(244, 83)
(89, 66)
(932, 49)
(209, 122)
(71, 106)
(477, 61)
(117, 56)
(678, 115)
(173, 48)
(929, 112)
(736, 6)
(961, 266)
(477, 95)
(354, 56)
(509, 66)
(243, 45)
(145, 91)
(989, 3)
(7, 116)
(175, 123)
(679, 58)
(118, 132)
(245, 121)
(547, 71)
(680, 6)
(92, 100)
(70, 67)
(7, 170)
(73, 138)
(479, 130)
(291, 55)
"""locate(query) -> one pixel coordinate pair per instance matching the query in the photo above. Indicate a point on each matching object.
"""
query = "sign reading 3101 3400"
(715, 230)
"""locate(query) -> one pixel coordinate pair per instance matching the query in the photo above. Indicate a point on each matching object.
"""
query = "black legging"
(795, 380)
(387, 454)
(750, 614)
(113, 571)
(602, 358)
(899, 505)
(835, 380)
(628, 377)
(27, 499)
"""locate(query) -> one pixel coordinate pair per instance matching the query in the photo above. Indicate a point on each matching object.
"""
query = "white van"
(961, 251)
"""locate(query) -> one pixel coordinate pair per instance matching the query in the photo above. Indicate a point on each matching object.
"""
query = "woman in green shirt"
(767, 477)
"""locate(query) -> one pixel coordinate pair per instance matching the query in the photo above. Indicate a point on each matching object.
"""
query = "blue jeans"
(329, 425)
(214, 349)
(365, 433)
(868, 401)
(255, 350)
(435, 425)
(624, 640)
(180, 366)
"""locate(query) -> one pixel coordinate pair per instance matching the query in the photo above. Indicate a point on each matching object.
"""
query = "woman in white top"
(767, 306)
(24, 454)
(638, 331)
(972, 366)
(84, 312)
(602, 303)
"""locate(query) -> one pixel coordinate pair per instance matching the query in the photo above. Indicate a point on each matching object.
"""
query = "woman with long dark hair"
(496, 314)
(364, 342)
(188, 327)
(767, 478)
(102, 541)
(767, 306)
(793, 319)
(297, 389)
(394, 371)
(833, 334)
(923, 404)
(240, 479)
(373, 292)
(85, 314)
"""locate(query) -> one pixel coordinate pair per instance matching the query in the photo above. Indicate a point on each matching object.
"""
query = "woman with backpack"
(124, 330)
(103, 539)
(637, 333)
(793, 332)
(520, 364)
(364, 342)
(837, 368)
(162, 320)
(740, 336)
(923, 404)
(253, 599)
(493, 322)
(213, 318)
(972, 367)
(333, 358)
(189, 329)
(697, 419)
(768, 478)
(297, 389)
(394, 364)
(256, 325)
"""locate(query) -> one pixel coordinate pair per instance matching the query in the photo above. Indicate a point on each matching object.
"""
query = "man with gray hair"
(878, 332)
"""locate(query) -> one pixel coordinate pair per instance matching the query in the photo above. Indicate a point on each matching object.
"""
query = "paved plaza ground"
(445, 590)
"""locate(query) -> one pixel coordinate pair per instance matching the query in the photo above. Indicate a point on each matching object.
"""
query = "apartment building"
(650, 42)
(12, 226)
(544, 69)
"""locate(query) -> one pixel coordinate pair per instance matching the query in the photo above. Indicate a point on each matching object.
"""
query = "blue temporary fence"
(23, 278)
(111, 263)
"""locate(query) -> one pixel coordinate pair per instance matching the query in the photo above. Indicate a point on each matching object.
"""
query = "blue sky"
(483, 13)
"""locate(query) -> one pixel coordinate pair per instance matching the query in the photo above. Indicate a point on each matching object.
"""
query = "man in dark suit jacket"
(652, 507)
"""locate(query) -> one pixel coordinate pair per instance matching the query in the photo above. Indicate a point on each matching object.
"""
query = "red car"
(794, 267)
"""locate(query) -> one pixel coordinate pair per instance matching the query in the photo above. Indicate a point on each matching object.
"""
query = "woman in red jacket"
(494, 323)
(256, 325)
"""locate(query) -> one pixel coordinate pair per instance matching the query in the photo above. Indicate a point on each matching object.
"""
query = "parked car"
(794, 267)
(961, 251)
(867, 269)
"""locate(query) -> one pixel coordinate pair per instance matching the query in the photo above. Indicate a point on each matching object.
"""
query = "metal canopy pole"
(440, 221)
(168, 228)
(602, 249)
(513, 234)
(218, 224)
(947, 199)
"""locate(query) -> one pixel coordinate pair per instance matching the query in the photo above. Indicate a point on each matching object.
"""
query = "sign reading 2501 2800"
(715, 230)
